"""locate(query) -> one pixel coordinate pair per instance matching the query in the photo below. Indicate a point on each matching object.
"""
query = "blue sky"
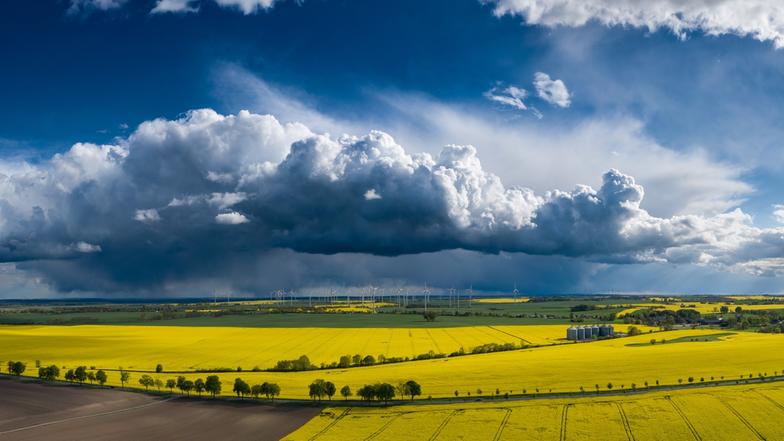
(694, 118)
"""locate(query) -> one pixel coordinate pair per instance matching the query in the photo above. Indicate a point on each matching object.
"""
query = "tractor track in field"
(564, 411)
(83, 417)
(443, 424)
(743, 419)
(683, 416)
(509, 334)
(501, 427)
(330, 425)
(384, 426)
(626, 426)
(774, 402)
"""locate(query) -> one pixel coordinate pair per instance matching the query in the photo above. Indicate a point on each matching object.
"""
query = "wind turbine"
(515, 292)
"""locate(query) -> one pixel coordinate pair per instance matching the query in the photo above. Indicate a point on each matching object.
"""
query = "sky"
(182, 148)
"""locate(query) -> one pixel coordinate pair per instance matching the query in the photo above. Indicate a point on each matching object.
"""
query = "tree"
(270, 390)
(345, 361)
(181, 383)
(91, 377)
(159, 368)
(317, 389)
(329, 389)
(49, 373)
(412, 389)
(81, 374)
(146, 381)
(738, 310)
(171, 384)
(633, 330)
(212, 385)
(429, 316)
(384, 392)
(100, 376)
(187, 387)
(69, 375)
(158, 384)
(367, 392)
(609, 386)
(255, 390)
(724, 309)
(16, 367)
(241, 388)
(124, 377)
(198, 385)
(345, 391)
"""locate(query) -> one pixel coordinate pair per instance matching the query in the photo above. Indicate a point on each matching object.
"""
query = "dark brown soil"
(30, 410)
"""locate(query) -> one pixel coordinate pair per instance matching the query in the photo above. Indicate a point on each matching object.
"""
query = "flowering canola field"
(181, 348)
(732, 413)
(625, 362)
(701, 307)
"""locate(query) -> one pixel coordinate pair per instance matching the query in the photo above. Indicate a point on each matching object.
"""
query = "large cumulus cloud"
(759, 19)
(177, 196)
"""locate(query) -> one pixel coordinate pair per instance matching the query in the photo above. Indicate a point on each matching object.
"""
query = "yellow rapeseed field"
(501, 300)
(190, 348)
(732, 413)
(557, 368)
(701, 307)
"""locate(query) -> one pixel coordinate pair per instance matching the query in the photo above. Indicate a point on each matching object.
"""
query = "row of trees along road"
(379, 391)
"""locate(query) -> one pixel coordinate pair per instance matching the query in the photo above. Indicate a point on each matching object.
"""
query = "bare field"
(33, 411)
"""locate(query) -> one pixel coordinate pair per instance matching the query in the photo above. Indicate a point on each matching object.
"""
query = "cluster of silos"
(589, 332)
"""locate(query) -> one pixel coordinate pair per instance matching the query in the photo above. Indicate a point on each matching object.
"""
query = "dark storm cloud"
(180, 200)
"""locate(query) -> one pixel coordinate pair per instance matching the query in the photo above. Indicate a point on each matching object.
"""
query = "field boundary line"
(509, 334)
(743, 419)
(626, 426)
(503, 425)
(82, 417)
(384, 426)
(564, 410)
(443, 424)
(691, 427)
(331, 424)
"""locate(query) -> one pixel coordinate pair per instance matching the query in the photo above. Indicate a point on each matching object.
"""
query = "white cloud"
(552, 91)
(84, 6)
(511, 96)
(175, 6)
(759, 19)
(231, 218)
(543, 157)
(778, 213)
(147, 216)
(247, 6)
(372, 195)
(84, 247)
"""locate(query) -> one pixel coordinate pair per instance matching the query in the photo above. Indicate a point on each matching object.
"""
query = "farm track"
(501, 427)
(625, 421)
(331, 424)
(509, 334)
(443, 424)
(743, 420)
(564, 411)
(384, 426)
(685, 418)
